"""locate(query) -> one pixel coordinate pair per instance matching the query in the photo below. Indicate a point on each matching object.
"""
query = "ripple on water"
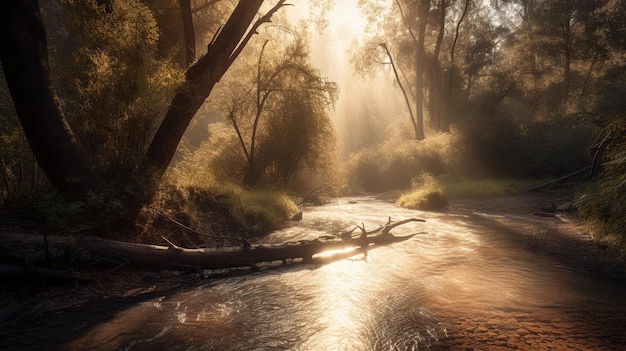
(467, 284)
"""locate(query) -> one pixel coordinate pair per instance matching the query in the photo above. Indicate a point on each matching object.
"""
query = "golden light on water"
(331, 253)
(341, 289)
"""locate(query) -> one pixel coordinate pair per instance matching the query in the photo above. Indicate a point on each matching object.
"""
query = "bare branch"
(254, 30)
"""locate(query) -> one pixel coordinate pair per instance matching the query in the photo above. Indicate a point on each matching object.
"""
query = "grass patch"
(426, 194)
(431, 193)
(603, 205)
(260, 210)
(226, 214)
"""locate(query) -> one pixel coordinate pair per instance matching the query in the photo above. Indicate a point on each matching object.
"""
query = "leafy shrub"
(260, 210)
(491, 145)
(604, 202)
(427, 194)
(555, 147)
(392, 165)
(114, 85)
(467, 188)
(499, 145)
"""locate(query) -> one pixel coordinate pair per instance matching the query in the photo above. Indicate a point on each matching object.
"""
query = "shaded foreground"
(489, 275)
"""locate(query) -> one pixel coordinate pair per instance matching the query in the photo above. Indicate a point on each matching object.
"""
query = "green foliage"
(72, 256)
(121, 87)
(19, 174)
(426, 194)
(604, 202)
(299, 137)
(392, 165)
(51, 212)
(556, 146)
(276, 124)
(260, 210)
(216, 161)
(43, 211)
(499, 146)
(492, 145)
(430, 193)
(253, 212)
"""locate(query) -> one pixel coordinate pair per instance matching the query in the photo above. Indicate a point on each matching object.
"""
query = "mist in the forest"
(367, 104)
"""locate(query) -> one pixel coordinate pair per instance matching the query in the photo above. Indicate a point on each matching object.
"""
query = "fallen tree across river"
(175, 257)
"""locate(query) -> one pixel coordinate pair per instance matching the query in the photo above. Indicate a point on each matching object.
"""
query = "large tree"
(24, 59)
(416, 34)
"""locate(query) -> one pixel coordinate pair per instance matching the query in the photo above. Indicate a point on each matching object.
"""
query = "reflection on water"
(470, 283)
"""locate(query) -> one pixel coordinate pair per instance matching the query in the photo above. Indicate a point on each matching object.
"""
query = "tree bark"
(24, 57)
(175, 257)
(200, 78)
(188, 32)
(404, 92)
(420, 61)
(435, 92)
(418, 41)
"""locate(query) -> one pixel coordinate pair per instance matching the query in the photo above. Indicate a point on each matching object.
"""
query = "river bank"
(561, 236)
(557, 233)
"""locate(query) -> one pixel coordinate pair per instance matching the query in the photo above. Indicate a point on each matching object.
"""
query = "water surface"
(472, 282)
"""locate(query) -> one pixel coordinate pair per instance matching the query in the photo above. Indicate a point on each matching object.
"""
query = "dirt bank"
(551, 231)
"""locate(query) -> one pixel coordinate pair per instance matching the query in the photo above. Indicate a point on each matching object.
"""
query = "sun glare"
(347, 20)
(331, 253)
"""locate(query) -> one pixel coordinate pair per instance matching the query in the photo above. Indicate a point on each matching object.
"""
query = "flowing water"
(472, 282)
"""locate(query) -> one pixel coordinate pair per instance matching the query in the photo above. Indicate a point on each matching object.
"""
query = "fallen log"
(176, 257)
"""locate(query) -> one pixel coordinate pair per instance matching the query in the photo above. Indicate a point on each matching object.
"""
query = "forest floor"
(565, 237)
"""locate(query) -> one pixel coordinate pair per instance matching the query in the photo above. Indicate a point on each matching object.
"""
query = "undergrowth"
(213, 215)
(431, 193)
(603, 203)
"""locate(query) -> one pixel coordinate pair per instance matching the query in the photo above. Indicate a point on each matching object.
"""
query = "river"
(471, 282)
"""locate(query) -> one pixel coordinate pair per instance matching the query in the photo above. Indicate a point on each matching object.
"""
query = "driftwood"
(176, 257)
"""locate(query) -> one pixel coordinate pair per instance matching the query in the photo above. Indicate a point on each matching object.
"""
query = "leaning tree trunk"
(200, 78)
(24, 57)
(188, 31)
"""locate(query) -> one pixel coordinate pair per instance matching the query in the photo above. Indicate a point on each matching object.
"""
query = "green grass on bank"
(257, 211)
(430, 193)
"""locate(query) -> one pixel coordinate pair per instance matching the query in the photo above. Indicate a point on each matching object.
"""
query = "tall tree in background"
(282, 122)
(418, 31)
(415, 19)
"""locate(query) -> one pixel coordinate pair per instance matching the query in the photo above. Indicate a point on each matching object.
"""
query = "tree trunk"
(567, 52)
(188, 31)
(175, 257)
(436, 104)
(200, 79)
(404, 92)
(420, 61)
(24, 57)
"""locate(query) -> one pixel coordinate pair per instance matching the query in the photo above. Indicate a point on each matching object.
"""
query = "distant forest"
(109, 107)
